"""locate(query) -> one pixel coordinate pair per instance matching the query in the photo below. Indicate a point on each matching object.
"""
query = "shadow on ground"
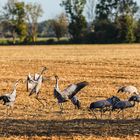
(86, 127)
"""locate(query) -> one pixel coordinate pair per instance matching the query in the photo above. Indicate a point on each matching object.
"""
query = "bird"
(76, 102)
(104, 105)
(69, 93)
(121, 105)
(135, 98)
(128, 89)
(32, 80)
(34, 84)
(9, 98)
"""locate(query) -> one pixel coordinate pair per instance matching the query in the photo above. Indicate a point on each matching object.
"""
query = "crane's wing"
(75, 101)
(30, 83)
(12, 98)
(5, 99)
(37, 86)
(58, 95)
(36, 76)
(73, 89)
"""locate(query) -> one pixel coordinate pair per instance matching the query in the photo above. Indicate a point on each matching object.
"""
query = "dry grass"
(105, 67)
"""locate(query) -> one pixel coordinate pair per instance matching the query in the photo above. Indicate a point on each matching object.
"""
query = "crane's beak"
(44, 68)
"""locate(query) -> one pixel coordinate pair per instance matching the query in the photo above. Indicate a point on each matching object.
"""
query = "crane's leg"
(61, 107)
(101, 113)
(110, 113)
(94, 114)
(51, 107)
(123, 113)
(7, 111)
(39, 100)
(12, 109)
(118, 114)
(137, 106)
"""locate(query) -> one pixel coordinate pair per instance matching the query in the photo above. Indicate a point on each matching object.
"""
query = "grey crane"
(68, 93)
(135, 98)
(121, 105)
(34, 84)
(104, 105)
(76, 102)
(9, 98)
(128, 89)
(32, 80)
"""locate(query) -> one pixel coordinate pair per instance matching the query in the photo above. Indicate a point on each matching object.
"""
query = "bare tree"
(33, 12)
(90, 9)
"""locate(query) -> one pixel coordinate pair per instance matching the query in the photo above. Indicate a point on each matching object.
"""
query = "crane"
(34, 84)
(32, 80)
(68, 93)
(121, 105)
(128, 89)
(9, 98)
(135, 98)
(104, 105)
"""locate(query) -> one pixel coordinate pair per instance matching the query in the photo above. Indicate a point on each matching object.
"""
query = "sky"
(51, 8)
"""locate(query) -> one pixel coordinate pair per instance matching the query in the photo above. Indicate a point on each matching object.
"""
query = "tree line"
(84, 21)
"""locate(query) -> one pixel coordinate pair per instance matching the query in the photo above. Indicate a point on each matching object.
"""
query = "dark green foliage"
(77, 22)
(59, 26)
(103, 9)
(105, 32)
(21, 27)
(125, 24)
(115, 21)
(126, 7)
(137, 31)
(77, 28)
(14, 19)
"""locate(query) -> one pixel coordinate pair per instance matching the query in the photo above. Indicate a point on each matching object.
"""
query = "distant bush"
(50, 41)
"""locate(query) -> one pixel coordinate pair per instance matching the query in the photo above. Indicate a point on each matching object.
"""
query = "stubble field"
(105, 67)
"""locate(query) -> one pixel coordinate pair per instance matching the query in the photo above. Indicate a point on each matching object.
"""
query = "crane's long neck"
(42, 71)
(14, 90)
(56, 84)
(137, 93)
(40, 74)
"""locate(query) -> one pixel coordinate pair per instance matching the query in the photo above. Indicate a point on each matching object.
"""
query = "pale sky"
(51, 8)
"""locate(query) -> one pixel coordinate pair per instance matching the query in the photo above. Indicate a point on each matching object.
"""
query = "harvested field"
(105, 67)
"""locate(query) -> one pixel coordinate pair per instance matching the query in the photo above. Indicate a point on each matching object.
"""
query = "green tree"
(77, 22)
(120, 13)
(21, 27)
(105, 9)
(126, 29)
(137, 31)
(126, 20)
(110, 9)
(33, 12)
(14, 18)
(126, 7)
(9, 17)
(60, 25)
